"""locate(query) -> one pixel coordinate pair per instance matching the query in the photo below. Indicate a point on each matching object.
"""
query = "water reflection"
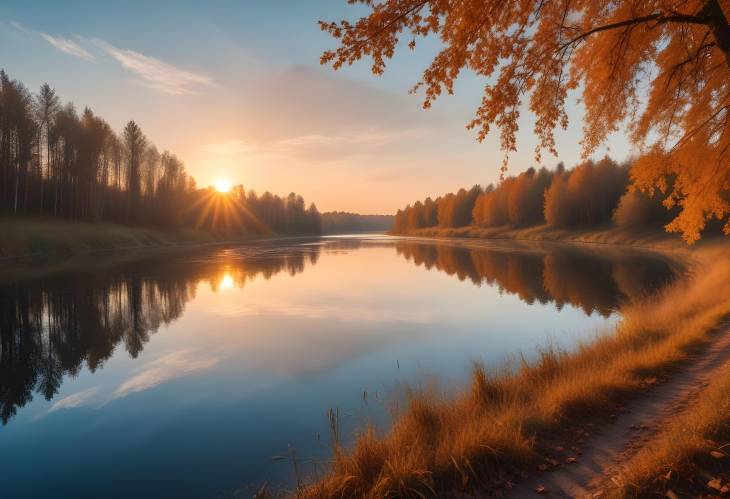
(50, 328)
(594, 281)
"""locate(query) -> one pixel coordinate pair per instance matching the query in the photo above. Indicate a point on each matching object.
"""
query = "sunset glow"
(226, 282)
(223, 186)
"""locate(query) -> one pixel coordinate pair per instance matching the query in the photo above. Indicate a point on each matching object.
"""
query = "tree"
(540, 51)
(17, 141)
(134, 145)
(49, 155)
(47, 105)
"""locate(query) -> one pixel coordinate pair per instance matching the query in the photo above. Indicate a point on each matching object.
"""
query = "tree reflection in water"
(594, 281)
(53, 327)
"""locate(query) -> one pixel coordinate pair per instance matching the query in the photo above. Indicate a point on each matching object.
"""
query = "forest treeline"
(50, 330)
(340, 222)
(590, 195)
(57, 163)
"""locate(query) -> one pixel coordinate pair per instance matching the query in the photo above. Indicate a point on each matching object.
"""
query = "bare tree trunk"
(15, 200)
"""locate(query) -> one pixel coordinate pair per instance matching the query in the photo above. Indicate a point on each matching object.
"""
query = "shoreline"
(500, 432)
(658, 242)
(653, 240)
(73, 246)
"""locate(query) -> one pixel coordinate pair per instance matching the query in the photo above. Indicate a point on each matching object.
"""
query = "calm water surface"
(185, 376)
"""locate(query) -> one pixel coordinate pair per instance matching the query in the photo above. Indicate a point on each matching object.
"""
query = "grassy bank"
(36, 238)
(497, 428)
(31, 248)
(642, 238)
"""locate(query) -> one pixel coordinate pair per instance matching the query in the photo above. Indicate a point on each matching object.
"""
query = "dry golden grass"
(704, 427)
(636, 237)
(444, 444)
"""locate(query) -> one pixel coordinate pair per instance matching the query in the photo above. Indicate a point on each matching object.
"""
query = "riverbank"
(610, 235)
(35, 247)
(525, 423)
(44, 238)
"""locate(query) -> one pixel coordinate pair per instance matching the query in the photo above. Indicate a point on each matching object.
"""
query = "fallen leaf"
(717, 454)
(715, 484)
(570, 460)
(671, 495)
(540, 489)
(668, 476)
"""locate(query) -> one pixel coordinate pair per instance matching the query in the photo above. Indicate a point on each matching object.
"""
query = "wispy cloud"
(77, 399)
(68, 46)
(150, 71)
(158, 74)
(165, 368)
(317, 146)
(314, 311)
(20, 27)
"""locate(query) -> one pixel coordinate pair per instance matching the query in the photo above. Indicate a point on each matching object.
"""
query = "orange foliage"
(583, 197)
(587, 196)
(454, 210)
(537, 51)
(636, 209)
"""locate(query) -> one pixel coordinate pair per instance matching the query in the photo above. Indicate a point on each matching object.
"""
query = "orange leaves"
(661, 68)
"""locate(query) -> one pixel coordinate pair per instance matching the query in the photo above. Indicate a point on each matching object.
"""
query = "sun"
(223, 186)
(226, 282)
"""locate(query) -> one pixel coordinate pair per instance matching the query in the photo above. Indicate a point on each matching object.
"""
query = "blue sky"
(235, 89)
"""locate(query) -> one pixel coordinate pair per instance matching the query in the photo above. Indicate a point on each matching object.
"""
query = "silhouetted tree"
(134, 147)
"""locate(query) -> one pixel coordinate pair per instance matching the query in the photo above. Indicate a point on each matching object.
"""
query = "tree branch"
(660, 18)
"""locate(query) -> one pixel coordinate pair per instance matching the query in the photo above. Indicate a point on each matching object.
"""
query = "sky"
(235, 89)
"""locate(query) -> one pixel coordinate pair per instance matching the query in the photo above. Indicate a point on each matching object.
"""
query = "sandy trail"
(607, 448)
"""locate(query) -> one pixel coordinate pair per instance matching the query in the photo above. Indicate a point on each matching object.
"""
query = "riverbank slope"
(524, 422)
(37, 238)
(36, 247)
(650, 238)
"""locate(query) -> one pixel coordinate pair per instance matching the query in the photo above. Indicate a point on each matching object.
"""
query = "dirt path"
(607, 447)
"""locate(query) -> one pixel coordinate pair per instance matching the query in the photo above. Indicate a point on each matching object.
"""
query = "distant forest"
(340, 222)
(592, 194)
(57, 163)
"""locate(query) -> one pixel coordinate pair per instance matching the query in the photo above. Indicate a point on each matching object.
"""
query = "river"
(207, 373)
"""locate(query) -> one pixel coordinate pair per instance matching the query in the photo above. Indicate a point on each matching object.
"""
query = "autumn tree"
(586, 196)
(491, 209)
(636, 209)
(430, 213)
(535, 52)
(415, 216)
